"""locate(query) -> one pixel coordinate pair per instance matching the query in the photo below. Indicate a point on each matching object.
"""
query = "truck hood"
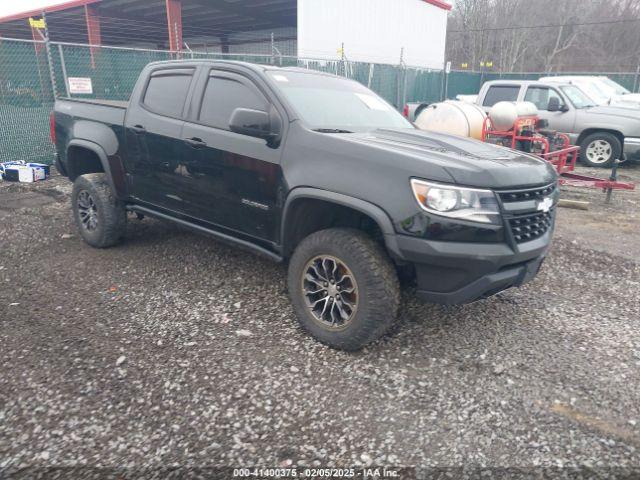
(468, 162)
(631, 100)
(613, 111)
(631, 97)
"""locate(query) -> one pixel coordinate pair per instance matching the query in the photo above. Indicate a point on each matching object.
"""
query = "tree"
(546, 35)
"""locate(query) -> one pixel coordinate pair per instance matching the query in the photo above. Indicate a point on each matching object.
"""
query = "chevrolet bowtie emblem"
(545, 205)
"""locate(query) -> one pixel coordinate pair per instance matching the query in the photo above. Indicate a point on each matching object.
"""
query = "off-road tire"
(110, 212)
(377, 281)
(611, 139)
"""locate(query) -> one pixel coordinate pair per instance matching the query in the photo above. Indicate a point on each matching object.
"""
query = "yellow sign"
(489, 64)
(465, 65)
(37, 23)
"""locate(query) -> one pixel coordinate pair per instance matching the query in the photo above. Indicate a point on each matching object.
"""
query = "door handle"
(195, 142)
(139, 129)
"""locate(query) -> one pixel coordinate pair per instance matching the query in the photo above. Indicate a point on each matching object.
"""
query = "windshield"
(577, 97)
(336, 105)
(616, 87)
(595, 92)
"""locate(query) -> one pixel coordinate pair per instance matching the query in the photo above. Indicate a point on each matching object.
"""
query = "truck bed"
(110, 112)
(98, 101)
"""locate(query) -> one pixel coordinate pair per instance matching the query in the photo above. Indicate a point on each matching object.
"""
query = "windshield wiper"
(331, 130)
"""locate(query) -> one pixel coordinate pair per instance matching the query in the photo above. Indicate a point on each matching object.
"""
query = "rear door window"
(167, 91)
(223, 94)
(500, 93)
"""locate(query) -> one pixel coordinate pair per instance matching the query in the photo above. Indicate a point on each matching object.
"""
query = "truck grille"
(529, 227)
(528, 194)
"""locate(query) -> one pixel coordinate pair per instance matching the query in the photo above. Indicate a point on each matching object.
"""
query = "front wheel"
(343, 287)
(600, 149)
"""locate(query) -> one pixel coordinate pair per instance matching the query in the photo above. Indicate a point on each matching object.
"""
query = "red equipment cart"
(526, 135)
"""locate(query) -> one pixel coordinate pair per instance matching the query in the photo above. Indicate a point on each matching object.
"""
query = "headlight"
(457, 202)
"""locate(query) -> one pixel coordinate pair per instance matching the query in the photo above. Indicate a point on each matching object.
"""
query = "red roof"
(51, 8)
(440, 4)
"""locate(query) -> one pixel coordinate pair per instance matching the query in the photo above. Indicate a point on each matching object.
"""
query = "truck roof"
(522, 82)
(568, 78)
(253, 66)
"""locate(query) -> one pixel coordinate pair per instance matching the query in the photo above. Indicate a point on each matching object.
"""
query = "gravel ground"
(175, 351)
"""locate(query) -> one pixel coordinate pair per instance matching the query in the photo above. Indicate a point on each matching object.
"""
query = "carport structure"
(213, 25)
(411, 32)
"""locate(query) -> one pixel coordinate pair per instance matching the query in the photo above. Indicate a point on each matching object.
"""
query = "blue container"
(47, 168)
(4, 166)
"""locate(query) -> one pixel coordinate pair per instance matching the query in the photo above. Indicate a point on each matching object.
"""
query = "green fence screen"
(26, 99)
(27, 91)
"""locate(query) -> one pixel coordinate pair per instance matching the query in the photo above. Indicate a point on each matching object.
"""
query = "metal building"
(380, 31)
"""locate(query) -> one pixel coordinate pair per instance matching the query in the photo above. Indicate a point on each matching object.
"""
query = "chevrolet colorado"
(315, 170)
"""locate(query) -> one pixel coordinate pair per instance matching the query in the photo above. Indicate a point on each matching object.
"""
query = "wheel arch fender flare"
(99, 151)
(376, 213)
(592, 130)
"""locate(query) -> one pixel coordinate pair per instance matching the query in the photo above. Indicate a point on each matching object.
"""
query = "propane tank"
(454, 117)
(527, 109)
(504, 114)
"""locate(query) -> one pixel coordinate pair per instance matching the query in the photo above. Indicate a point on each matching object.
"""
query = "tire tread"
(381, 283)
(112, 212)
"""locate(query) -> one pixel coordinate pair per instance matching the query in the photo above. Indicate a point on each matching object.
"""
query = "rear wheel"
(100, 217)
(343, 287)
(600, 149)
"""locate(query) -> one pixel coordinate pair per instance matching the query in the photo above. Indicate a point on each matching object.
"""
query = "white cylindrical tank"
(504, 114)
(526, 109)
(454, 117)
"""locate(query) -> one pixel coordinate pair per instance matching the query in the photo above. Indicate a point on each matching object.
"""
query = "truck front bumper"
(632, 148)
(453, 273)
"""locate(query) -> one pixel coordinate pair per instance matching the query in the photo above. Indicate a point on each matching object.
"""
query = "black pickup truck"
(315, 170)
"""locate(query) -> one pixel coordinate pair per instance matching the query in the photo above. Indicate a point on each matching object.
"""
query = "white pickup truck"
(602, 90)
(604, 133)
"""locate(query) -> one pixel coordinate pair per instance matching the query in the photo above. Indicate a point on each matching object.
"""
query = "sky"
(8, 7)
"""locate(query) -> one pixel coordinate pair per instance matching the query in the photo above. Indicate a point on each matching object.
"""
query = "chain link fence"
(26, 98)
(32, 73)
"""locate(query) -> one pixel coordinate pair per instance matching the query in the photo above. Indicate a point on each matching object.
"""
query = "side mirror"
(254, 123)
(554, 104)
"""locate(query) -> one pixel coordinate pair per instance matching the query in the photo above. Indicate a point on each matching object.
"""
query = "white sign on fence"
(80, 85)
